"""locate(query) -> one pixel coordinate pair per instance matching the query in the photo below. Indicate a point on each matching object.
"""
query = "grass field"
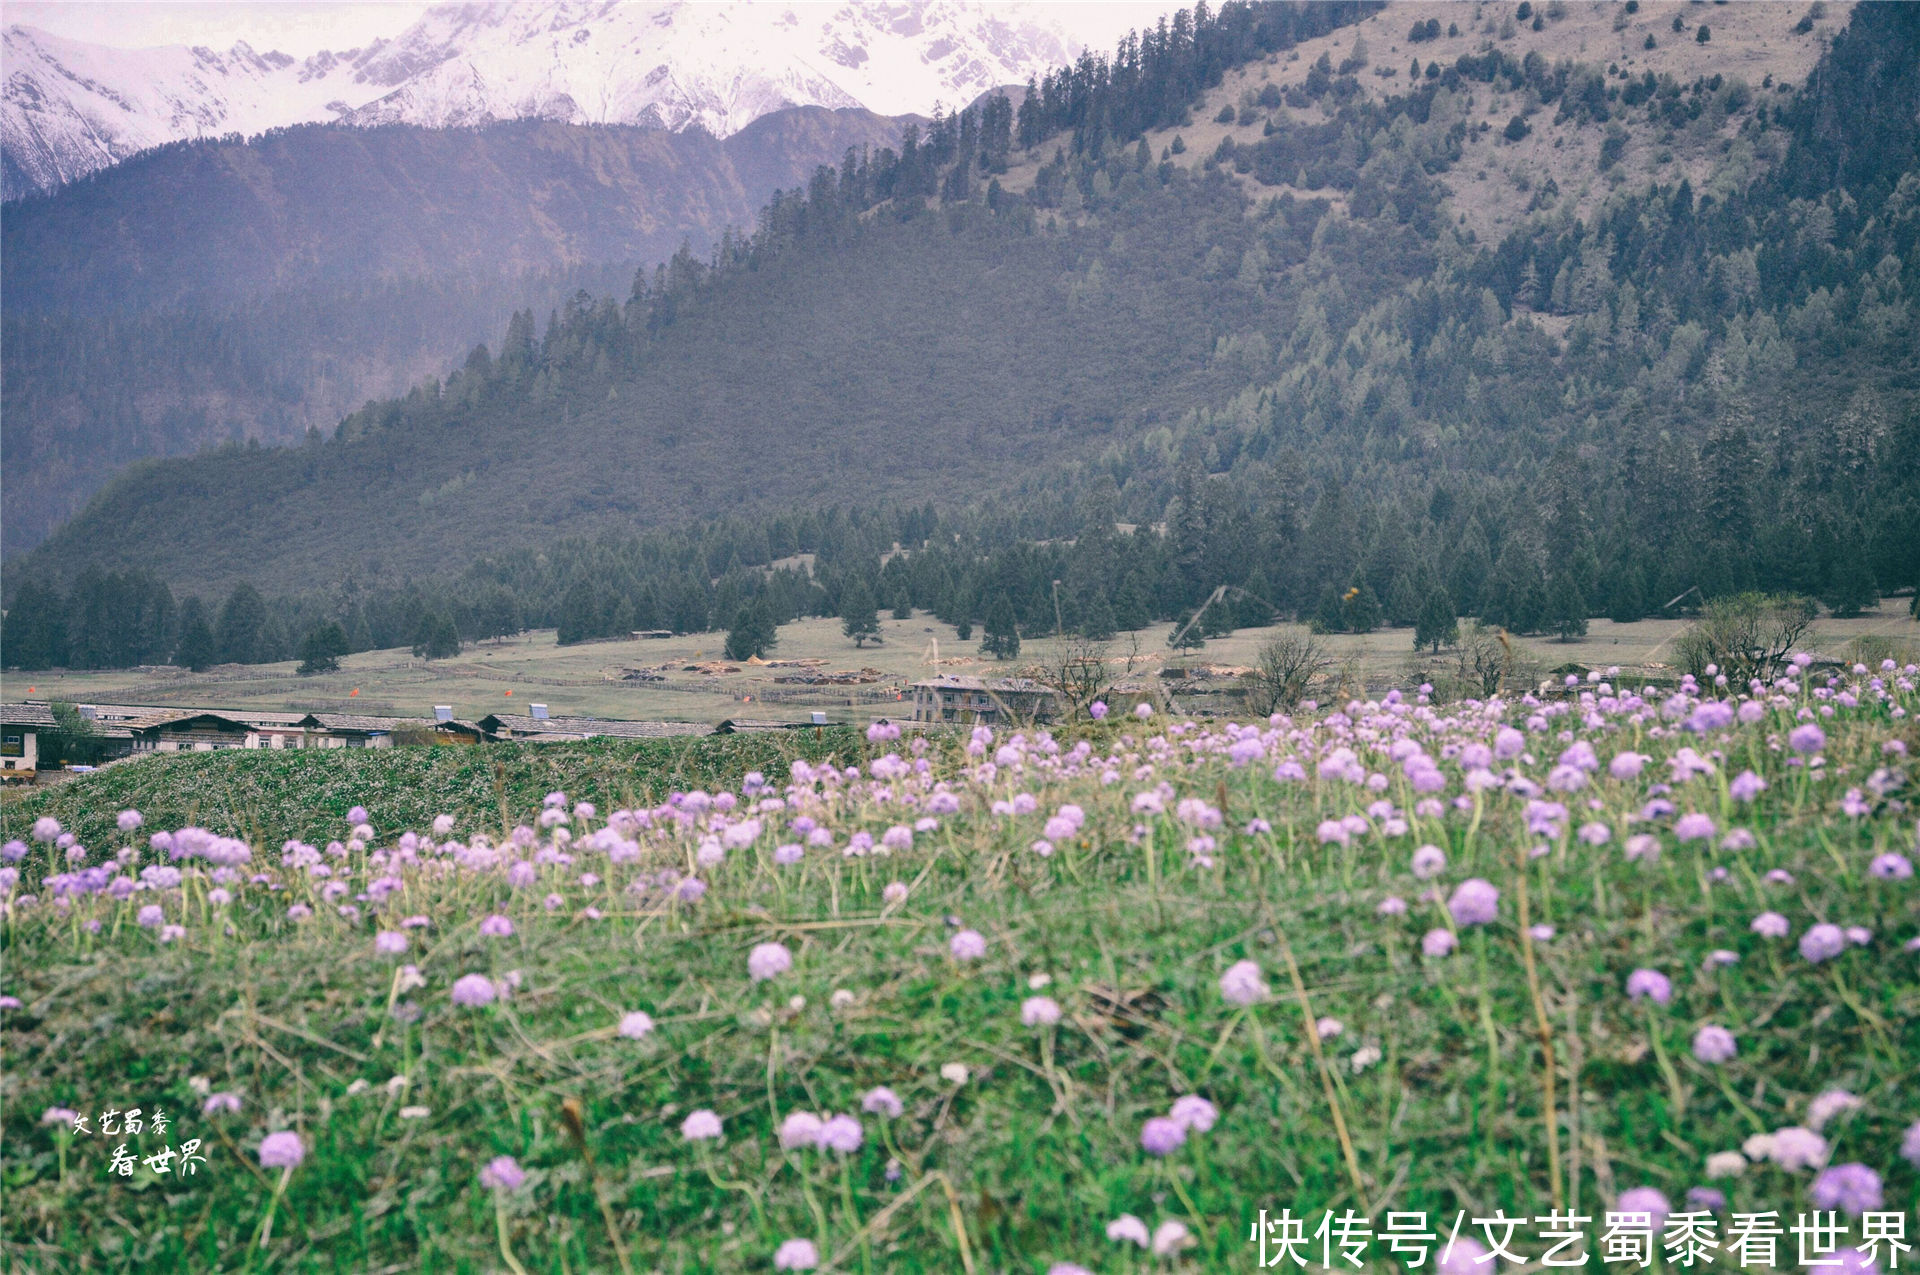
(1082, 1001)
(584, 679)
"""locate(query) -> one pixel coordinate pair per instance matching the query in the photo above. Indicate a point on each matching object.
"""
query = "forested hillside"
(253, 290)
(1023, 332)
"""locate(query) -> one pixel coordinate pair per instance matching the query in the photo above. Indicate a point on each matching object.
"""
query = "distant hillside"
(1273, 304)
(218, 221)
(255, 290)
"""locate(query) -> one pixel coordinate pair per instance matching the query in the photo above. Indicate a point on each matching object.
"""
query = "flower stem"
(500, 1226)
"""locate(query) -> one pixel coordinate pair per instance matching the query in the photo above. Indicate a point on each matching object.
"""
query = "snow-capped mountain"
(72, 107)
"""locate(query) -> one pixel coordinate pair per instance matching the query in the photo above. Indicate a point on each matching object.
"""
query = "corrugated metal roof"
(1000, 685)
(590, 727)
(364, 721)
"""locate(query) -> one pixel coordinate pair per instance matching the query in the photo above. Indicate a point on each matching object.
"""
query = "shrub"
(1745, 636)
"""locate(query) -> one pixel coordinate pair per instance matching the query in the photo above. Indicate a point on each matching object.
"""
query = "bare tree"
(1746, 636)
(1076, 669)
(1286, 668)
(1485, 659)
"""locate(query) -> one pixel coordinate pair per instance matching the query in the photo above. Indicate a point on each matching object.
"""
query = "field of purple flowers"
(1134, 994)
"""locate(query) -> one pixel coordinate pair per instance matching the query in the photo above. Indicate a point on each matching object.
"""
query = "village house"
(983, 701)
(21, 726)
(187, 730)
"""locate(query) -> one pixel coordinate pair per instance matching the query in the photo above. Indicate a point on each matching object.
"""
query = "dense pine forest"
(1282, 367)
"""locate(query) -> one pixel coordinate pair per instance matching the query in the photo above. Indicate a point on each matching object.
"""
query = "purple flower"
(390, 942)
(1193, 1113)
(473, 990)
(968, 945)
(1170, 1237)
(1162, 1135)
(1693, 827)
(1626, 765)
(1851, 1261)
(882, 1101)
(1823, 943)
(1705, 1199)
(128, 820)
(1770, 925)
(1438, 942)
(1891, 867)
(1429, 861)
(700, 1126)
(46, 828)
(1392, 905)
(800, 1129)
(1806, 738)
(1714, 1044)
(1040, 1011)
(218, 1102)
(796, 1255)
(1463, 1256)
(281, 1150)
(768, 960)
(1746, 786)
(1649, 983)
(496, 927)
(1852, 1188)
(1128, 1227)
(1796, 1148)
(1097, 710)
(1910, 1145)
(1827, 1105)
(502, 1174)
(635, 1025)
(1645, 1199)
(842, 1134)
(357, 815)
(1475, 902)
(1242, 984)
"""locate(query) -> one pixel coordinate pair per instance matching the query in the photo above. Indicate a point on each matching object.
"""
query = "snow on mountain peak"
(72, 107)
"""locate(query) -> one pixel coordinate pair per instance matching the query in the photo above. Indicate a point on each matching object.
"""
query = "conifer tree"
(1852, 588)
(323, 648)
(1330, 615)
(1001, 637)
(577, 614)
(196, 649)
(859, 615)
(1566, 609)
(1626, 596)
(1096, 619)
(436, 638)
(1437, 626)
(1363, 609)
(754, 631)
